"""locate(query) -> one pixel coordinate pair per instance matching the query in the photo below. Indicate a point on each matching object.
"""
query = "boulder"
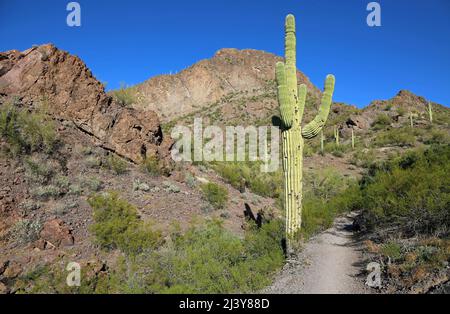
(56, 233)
(13, 270)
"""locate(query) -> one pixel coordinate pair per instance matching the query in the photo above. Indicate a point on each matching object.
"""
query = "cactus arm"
(291, 58)
(430, 111)
(313, 128)
(286, 107)
(302, 91)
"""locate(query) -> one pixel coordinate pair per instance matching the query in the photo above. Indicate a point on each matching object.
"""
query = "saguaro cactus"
(322, 142)
(411, 120)
(430, 112)
(353, 138)
(292, 100)
(336, 136)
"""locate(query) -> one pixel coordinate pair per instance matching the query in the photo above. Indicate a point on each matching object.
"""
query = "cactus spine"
(291, 99)
(430, 112)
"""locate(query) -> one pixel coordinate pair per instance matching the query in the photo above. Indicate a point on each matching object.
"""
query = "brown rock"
(3, 289)
(13, 270)
(3, 265)
(56, 233)
(73, 94)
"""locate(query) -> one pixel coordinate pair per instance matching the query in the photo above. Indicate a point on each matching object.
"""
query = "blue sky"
(131, 41)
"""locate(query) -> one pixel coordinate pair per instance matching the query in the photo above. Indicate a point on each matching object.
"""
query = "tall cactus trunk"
(411, 120)
(322, 142)
(336, 136)
(292, 100)
(430, 112)
(353, 138)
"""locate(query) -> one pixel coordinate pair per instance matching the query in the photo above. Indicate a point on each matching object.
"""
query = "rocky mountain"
(229, 73)
(61, 82)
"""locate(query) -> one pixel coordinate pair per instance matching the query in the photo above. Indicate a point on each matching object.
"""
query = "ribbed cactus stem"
(411, 120)
(322, 142)
(292, 101)
(353, 139)
(336, 136)
(430, 112)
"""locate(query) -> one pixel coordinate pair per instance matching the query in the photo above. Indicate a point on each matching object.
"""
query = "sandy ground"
(329, 264)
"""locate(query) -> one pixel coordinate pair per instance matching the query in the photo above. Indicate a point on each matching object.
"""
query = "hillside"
(70, 152)
(231, 74)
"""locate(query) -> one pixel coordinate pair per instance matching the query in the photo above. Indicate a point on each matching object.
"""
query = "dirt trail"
(328, 264)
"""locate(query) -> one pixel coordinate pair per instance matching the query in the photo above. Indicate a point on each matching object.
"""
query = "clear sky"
(133, 40)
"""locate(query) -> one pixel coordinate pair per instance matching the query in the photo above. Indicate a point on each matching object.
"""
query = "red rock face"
(57, 234)
(63, 83)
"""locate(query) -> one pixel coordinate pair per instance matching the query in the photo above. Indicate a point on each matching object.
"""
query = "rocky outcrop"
(228, 72)
(51, 77)
(55, 233)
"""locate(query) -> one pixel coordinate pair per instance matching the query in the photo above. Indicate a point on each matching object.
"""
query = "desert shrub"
(205, 259)
(140, 186)
(393, 250)
(62, 182)
(209, 259)
(381, 121)
(38, 170)
(93, 162)
(118, 226)
(190, 180)
(151, 165)
(411, 192)
(93, 184)
(395, 137)
(248, 174)
(26, 231)
(437, 137)
(363, 158)
(117, 164)
(337, 150)
(27, 131)
(401, 111)
(215, 194)
(170, 187)
(326, 195)
(47, 192)
(125, 96)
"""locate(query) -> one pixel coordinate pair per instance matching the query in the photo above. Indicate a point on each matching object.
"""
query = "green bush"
(395, 137)
(151, 165)
(412, 192)
(204, 259)
(326, 195)
(38, 170)
(93, 184)
(47, 192)
(248, 174)
(215, 194)
(117, 164)
(381, 121)
(26, 231)
(209, 259)
(27, 131)
(125, 96)
(118, 226)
